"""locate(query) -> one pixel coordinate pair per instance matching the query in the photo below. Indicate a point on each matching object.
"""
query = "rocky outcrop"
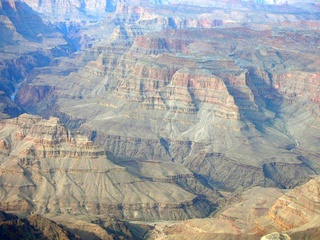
(204, 97)
(26, 43)
(309, 233)
(72, 9)
(184, 100)
(34, 227)
(234, 221)
(276, 236)
(46, 169)
(258, 213)
(22, 26)
(17, 15)
(297, 208)
(200, 98)
(49, 229)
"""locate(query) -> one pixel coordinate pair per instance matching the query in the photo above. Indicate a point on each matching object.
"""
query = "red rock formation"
(296, 211)
(297, 208)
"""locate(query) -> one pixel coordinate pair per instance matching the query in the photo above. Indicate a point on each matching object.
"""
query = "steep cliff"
(200, 97)
(235, 221)
(177, 100)
(26, 43)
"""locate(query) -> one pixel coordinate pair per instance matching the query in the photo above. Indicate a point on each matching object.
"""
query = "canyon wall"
(160, 111)
(258, 213)
(45, 169)
(199, 97)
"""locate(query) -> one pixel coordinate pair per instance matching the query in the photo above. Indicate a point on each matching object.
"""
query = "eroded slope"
(253, 214)
(45, 169)
(236, 105)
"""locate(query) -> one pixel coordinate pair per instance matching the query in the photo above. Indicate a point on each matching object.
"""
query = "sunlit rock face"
(298, 208)
(225, 98)
(257, 213)
(45, 169)
(174, 111)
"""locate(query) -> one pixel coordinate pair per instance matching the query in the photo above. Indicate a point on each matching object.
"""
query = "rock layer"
(258, 213)
(206, 97)
(295, 209)
(184, 99)
(34, 227)
(45, 169)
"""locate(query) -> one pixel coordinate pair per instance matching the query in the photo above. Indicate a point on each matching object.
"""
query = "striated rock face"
(84, 229)
(46, 169)
(16, 19)
(17, 15)
(175, 101)
(257, 213)
(108, 227)
(297, 208)
(70, 8)
(75, 9)
(235, 103)
(235, 221)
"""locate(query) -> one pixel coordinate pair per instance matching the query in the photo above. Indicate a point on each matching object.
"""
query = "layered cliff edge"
(258, 213)
(233, 100)
(255, 214)
(97, 9)
(182, 104)
(45, 169)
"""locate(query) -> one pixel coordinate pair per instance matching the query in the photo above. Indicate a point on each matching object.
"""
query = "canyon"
(204, 89)
(253, 214)
(59, 173)
(138, 114)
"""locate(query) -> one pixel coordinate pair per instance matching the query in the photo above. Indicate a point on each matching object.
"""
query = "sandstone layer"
(45, 169)
(235, 103)
(175, 100)
(296, 210)
(258, 213)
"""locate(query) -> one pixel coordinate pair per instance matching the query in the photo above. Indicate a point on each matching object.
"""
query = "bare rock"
(276, 236)
(46, 169)
(296, 208)
(202, 97)
(8, 108)
(34, 227)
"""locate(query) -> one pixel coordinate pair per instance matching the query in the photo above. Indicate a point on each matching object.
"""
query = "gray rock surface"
(276, 236)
